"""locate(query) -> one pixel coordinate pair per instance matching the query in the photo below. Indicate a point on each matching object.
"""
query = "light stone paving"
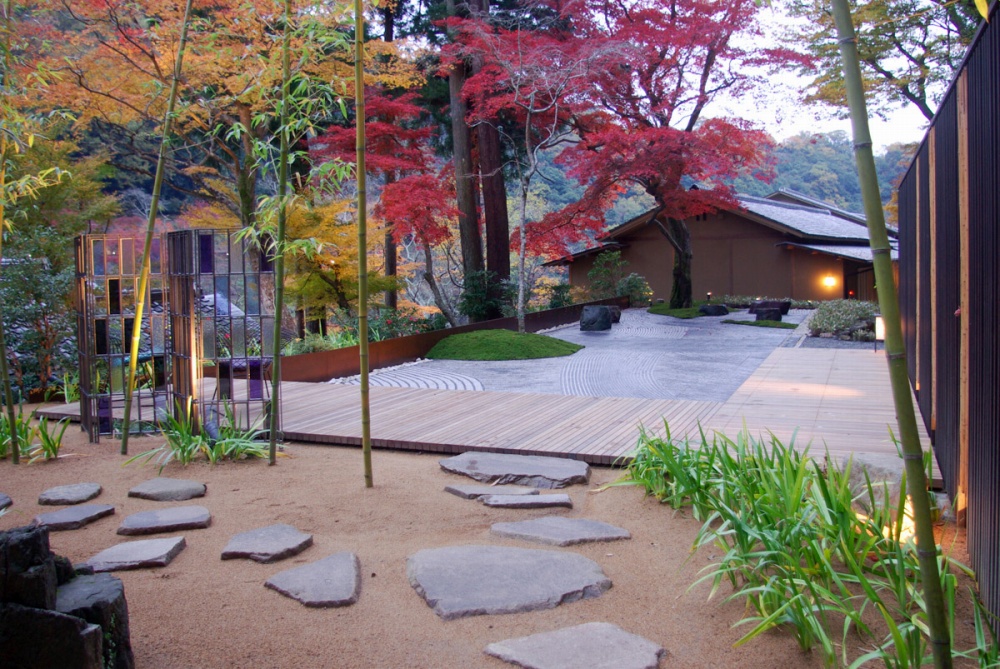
(164, 489)
(74, 493)
(332, 581)
(591, 645)
(73, 517)
(166, 520)
(267, 544)
(5, 501)
(536, 471)
(560, 531)
(140, 554)
(527, 501)
(466, 491)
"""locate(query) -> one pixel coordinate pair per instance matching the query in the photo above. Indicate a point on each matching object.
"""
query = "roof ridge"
(784, 205)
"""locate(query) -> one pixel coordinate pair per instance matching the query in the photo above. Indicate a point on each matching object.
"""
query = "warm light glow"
(879, 329)
(829, 281)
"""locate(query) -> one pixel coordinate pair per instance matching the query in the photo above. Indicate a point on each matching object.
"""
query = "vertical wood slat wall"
(949, 215)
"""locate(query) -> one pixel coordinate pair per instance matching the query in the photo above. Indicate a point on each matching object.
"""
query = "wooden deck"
(834, 399)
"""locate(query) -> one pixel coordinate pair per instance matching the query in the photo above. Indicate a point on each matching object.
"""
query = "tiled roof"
(809, 222)
(852, 251)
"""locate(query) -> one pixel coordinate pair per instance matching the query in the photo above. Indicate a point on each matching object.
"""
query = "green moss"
(665, 310)
(500, 345)
(764, 324)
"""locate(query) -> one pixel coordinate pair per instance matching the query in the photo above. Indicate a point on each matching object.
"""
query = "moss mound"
(500, 345)
(665, 310)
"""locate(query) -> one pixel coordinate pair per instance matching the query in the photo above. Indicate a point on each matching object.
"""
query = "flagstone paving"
(267, 544)
(166, 520)
(168, 490)
(527, 501)
(529, 470)
(592, 645)
(461, 581)
(74, 493)
(332, 581)
(560, 531)
(74, 517)
(472, 491)
(140, 554)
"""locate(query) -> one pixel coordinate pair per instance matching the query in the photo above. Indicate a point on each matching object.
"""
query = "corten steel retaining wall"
(326, 365)
(949, 217)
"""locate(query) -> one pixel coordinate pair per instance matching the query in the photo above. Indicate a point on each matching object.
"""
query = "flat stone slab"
(460, 581)
(168, 490)
(332, 581)
(267, 544)
(559, 531)
(74, 517)
(140, 554)
(528, 502)
(75, 493)
(596, 645)
(530, 470)
(5, 501)
(166, 520)
(472, 491)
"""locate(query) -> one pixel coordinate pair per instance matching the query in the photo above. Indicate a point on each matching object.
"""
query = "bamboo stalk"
(895, 353)
(279, 243)
(140, 303)
(359, 112)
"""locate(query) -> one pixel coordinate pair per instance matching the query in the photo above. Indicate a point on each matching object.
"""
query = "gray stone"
(616, 313)
(531, 470)
(5, 501)
(528, 502)
(28, 573)
(166, 520)
(75, 493)
(138, 554)
(100, 600)
(593, 645)
(33, 638)
(595, 318)
(472, 491)
(713, 310)
(168, 490)
(768, 314)
(267, 544)
(460, 581)
(559, 531)
(74, 517)
(332, 581)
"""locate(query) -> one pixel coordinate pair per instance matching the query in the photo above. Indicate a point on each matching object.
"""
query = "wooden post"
(961, 494)
(932, 252)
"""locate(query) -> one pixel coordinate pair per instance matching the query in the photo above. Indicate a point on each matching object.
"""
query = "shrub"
(382, 324)
(746, 301)
(843, 317)
(560, 296)
(311, 343)
(485, 297)
(606, 274)
(636, 288)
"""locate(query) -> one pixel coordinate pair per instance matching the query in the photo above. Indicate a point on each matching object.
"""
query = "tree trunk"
(679, 235)
(435, 289)
(468, 220)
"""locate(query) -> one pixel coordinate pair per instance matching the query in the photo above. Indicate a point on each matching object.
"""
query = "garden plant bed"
(319, 490)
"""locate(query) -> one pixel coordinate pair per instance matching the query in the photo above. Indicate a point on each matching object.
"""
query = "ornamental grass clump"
(797, 549)
(842, 318)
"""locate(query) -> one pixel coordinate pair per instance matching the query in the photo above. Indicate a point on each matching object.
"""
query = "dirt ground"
(202, 612)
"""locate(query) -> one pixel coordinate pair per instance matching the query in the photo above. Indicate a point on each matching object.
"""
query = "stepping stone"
(472, 491)
(75, 493)
(530, 470)
(166, 520)
(559, 531)
(588, 645)
(74, 517)
(527, 502)
(168, 490)
(267, 544)
(138, 554)
(460, 581)
(5, 501)
(332, 581)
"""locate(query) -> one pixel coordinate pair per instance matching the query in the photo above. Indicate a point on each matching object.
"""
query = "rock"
(32, 638)
(75, 493)
(595, 318)
(527, 501)
(5, 501)
(267, 544)
(74, 517)
(713, 310)
(65, 572)
(137, 554)
(559, 531)
(468, 491)
(530, 470)
(768, 314)
(166, 520)
(168, 490)
(332, 581)
(100, 600)
(460, 581)
(28, 573)
(588, 645)
(616, 313)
